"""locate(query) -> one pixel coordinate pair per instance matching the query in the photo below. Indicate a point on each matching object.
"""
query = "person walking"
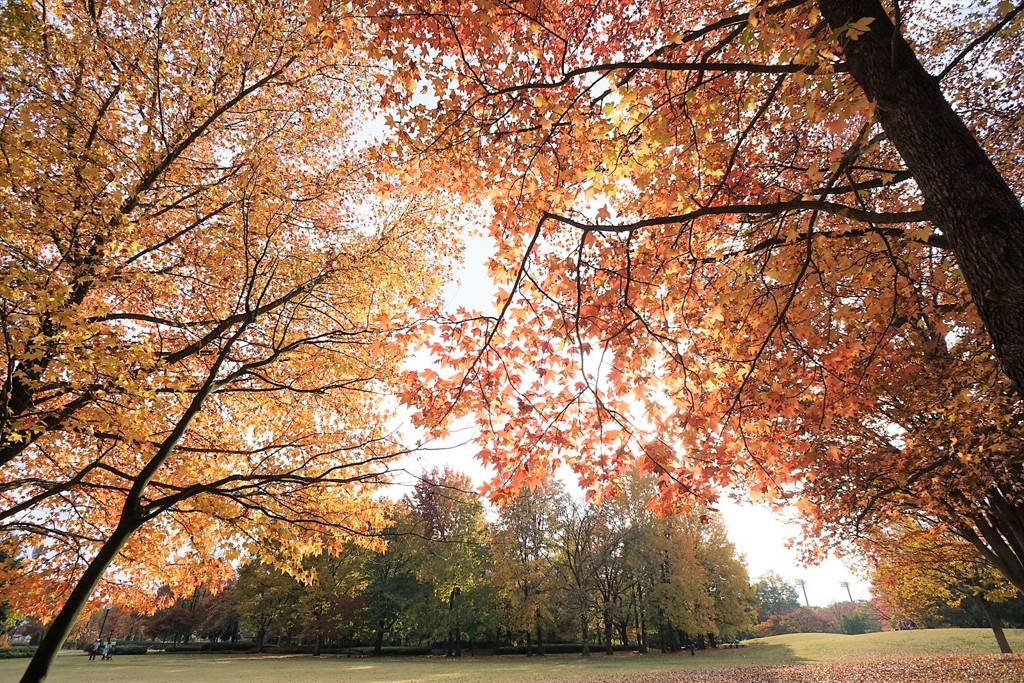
(94, 649)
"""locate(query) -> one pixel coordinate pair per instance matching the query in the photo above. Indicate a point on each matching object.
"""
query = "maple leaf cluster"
(725, 243)
(715, 256)
(203, 292)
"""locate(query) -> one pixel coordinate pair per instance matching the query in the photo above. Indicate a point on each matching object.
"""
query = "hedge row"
(249, 646)
(121, 648)
(362, 651)
(392, 651)
(560, 649)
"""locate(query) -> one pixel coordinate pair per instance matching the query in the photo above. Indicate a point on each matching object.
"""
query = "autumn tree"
(332, 600)
(675, 576)
(714, 223)
(394, 592)
(700, 590)
(940, 443)
(726, 580)
(176, 623)
(613, 577)
(199, 294)
(774, 595)
(446, 518)
(9, 574)
(266, 598)
(643, 559)
(178, 620)
(524, 547)
(799, 620)
(582, 552)
(917, 569)
(219, 619)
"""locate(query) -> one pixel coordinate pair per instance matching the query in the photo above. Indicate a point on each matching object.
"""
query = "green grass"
(830, 647)
(778, 650)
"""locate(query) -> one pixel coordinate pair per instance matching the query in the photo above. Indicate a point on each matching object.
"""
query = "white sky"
(758, 533)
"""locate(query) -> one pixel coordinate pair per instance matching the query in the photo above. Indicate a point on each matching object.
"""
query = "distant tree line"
(548, 573)
(542, 572)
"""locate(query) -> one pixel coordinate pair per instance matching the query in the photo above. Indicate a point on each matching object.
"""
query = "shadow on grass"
(760, 654)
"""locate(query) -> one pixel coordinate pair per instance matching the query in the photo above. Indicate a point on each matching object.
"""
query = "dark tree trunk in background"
(623, 628)
(608, 648)
(378, 641)
(641, 620)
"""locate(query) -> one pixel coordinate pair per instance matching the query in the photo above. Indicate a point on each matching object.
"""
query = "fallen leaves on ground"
(947, 669)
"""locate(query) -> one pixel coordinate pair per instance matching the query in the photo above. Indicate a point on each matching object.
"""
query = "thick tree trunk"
(608, 648)
(996, 624)
(585, 627)
(378, 641)
(623, 629)
(453, 648)
(969, 200)
(58, 629)
(641, 620)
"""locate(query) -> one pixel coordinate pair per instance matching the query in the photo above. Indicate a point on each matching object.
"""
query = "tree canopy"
(732, 233)
(203, 289)
(771, 245)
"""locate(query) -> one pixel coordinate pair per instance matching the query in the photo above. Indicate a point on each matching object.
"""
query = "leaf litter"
(941, 669)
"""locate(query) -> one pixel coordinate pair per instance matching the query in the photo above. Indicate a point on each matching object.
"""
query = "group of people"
(104, 650)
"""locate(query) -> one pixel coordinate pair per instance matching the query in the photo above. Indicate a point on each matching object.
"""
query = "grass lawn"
(935, 656)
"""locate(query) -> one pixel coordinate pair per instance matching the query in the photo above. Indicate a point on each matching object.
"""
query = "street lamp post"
(846, 585)
(106, 613)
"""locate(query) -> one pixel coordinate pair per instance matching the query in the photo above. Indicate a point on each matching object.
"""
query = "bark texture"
(971, 202)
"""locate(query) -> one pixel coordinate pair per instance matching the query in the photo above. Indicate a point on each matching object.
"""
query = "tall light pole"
(803, 587)
(106, 613)
(846, 585)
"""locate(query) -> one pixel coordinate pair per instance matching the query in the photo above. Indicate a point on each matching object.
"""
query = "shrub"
(180, 648)
(562, 649)
(237, 646)
(390, 651)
